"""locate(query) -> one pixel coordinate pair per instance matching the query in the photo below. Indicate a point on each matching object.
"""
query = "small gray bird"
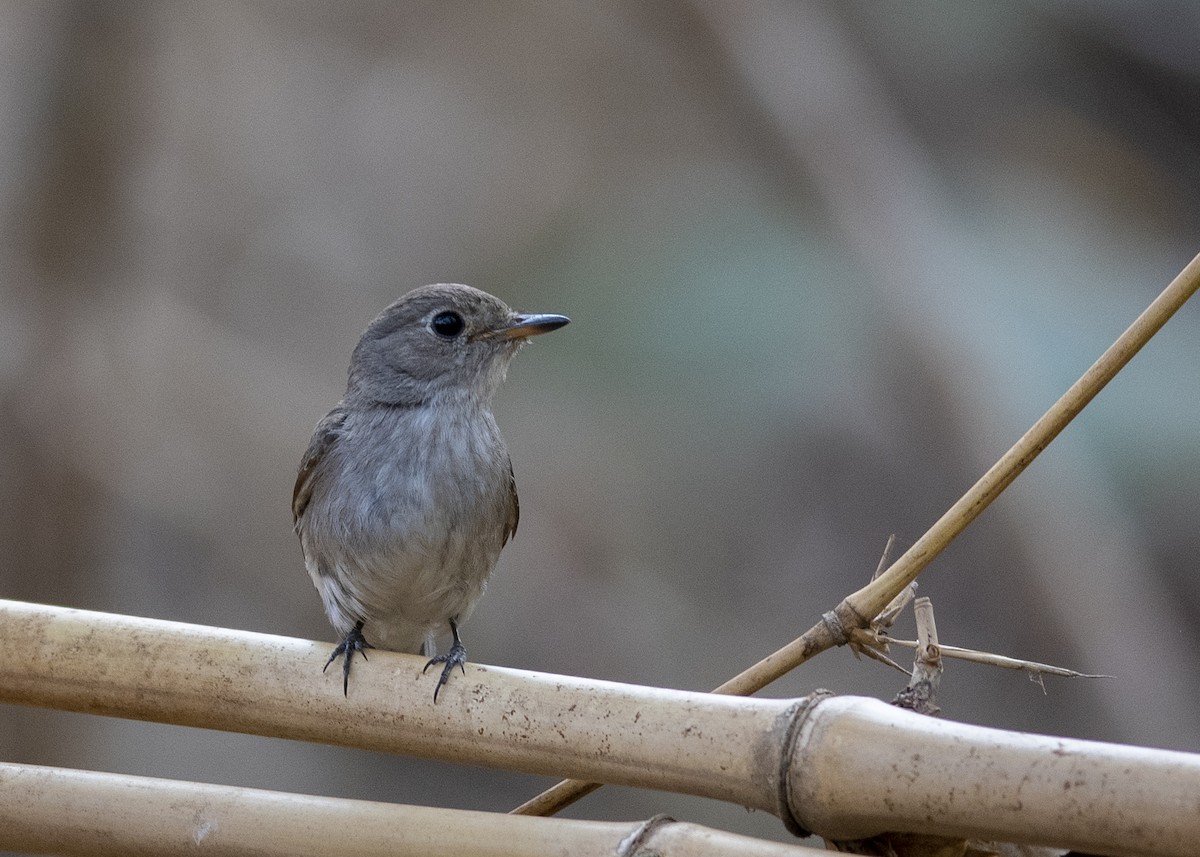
(406, 494)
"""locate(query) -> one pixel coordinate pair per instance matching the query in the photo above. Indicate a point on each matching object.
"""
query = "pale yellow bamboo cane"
(860, 607)
(68, 812)
(853, 776)
(216, 678)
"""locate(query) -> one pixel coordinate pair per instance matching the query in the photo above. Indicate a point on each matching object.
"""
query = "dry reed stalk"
(858, 609)
(87, 814)
(846, 768)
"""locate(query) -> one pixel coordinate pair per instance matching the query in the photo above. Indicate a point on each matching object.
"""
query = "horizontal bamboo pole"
(192, 675)
(843, 767)
(861, 766)
(67, 812)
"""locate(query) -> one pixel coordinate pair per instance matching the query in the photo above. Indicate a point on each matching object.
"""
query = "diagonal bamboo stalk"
(89, 814)
(859, 608)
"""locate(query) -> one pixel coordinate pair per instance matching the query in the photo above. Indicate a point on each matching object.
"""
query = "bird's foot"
(456, 657)
(354, 641)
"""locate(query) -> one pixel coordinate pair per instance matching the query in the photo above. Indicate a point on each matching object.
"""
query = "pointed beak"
(525, 325)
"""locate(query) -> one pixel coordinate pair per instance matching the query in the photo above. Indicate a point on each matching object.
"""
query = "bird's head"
(445, 340)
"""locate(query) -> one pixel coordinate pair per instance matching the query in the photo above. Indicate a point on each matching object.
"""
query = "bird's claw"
(455, 657)
(354, 641)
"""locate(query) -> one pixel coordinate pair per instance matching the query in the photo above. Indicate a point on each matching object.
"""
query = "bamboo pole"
(89, 814)
(861, 766)
(192, 675)
(845, 768)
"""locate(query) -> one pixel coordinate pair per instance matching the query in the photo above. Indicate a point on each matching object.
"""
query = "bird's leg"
(354, 641)
(456, 657)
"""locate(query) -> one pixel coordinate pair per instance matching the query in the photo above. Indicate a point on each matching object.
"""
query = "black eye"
(447, 324)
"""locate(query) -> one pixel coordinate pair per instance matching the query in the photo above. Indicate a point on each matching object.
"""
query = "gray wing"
(325, 437)
(514, 507)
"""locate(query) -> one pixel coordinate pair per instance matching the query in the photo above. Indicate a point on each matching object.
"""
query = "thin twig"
(875, 653)
(1003, 661)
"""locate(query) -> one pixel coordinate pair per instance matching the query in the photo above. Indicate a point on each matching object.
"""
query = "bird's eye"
(447, 324)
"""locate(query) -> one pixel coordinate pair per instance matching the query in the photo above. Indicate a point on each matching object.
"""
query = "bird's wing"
(514, 507)
(324, 437)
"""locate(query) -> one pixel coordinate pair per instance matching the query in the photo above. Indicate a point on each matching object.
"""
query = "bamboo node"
(793, 718)
(631, 845)
(837, 630)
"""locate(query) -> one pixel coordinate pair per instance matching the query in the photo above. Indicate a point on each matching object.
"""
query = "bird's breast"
(410, 517)
(428, 473)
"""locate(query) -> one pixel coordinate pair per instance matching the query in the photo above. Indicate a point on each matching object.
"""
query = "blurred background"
(825, 262)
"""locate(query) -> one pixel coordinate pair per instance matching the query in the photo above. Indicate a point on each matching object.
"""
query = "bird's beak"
(525, 325)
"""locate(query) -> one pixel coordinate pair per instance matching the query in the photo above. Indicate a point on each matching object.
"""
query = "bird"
(405, 495)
